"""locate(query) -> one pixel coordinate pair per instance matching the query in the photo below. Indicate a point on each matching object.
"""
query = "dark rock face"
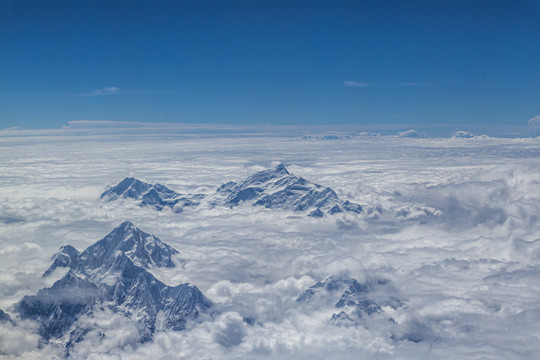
(58, 307)
(138, 294)
(157, 196)
(5, 318)
(68, 256)
(353, 299)
(279, 189)
(333, 285)
(112, 273)
(316, 213)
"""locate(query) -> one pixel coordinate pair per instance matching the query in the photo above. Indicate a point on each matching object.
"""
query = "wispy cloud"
(411, 84)
(111, 90)
(354, 83)
(106, 91)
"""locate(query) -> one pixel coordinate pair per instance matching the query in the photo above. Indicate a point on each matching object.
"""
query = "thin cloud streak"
(105, 91)
(111, 90)
(354, 83)
(114, 90)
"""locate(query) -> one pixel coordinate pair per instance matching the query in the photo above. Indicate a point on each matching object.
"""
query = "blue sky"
(410, 63)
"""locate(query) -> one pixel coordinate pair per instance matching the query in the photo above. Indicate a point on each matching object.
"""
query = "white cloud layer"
(451, 224)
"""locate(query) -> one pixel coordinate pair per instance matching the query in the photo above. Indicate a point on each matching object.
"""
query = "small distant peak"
(69, 279)
(128, 180)
(316, 213)
(68, 250)
(126, 224)
(5, 318)
(281, 169)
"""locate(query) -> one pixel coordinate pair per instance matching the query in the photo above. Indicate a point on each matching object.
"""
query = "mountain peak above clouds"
(56, 308)
(355, 299)
(67, 256)
(279, 189)
(273, 188)
(280, 169)
(145, 194)
(143, 249)
(127, 188)
(5, 318)
(112, 274)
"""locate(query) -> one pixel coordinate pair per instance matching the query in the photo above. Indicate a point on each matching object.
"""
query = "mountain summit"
(142, 249)
(157, 196)
(272, 188)
(279, 189)
(112, 274)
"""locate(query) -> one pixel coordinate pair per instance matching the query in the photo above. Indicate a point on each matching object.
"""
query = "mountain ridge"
(275, 188)
(113, 274)
(145, 194)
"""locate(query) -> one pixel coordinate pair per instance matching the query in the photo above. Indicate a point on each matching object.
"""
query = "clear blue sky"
(280, 62)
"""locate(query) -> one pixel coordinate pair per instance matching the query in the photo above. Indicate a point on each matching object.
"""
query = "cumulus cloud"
(534, 123)
(408, 133)
(452, 226)
(463, 134)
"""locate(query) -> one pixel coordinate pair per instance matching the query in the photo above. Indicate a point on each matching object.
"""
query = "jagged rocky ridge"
(157, 196)
(273, 188)
(278, 189)
(354, 300)
(112, 275)
(5, 318)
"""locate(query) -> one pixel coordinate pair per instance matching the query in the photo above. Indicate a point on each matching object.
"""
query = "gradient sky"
(280, 62)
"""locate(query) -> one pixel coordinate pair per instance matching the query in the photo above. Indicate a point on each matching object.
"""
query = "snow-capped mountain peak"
(112, 273)
(57, 308)
(145, 194)
(67, 256)
(128, 188)
(143, 249)
(355, 300)
(273, 188)
(280, 169)
(278, 188)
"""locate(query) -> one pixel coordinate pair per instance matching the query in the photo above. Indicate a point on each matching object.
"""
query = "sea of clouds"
(451, 225)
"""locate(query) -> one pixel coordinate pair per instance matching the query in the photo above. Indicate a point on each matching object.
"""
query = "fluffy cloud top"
(534, 123)
(408, 133)
(450, 230)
